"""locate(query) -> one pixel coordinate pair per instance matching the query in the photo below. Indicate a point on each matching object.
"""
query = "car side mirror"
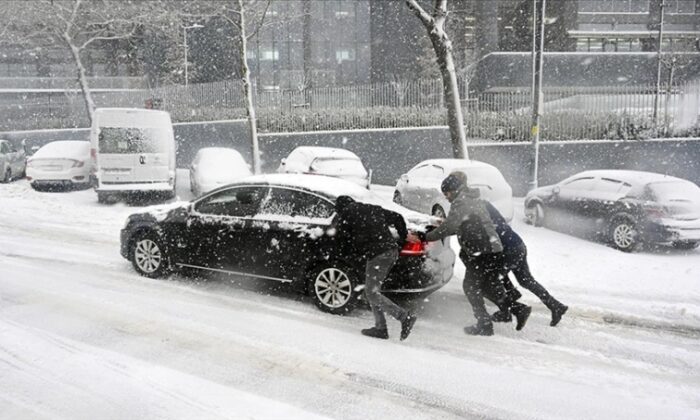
(283, 161)
(556, 190)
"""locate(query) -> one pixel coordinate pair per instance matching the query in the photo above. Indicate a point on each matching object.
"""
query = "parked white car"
(328, 161)
(213, 167)
(64, 163)
(419, 189)
(12, 161)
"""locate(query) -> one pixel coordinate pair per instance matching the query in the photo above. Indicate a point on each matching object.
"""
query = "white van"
(133, 152)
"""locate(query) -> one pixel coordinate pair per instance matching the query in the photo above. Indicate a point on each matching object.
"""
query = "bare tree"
(435, 25)
(78, 24)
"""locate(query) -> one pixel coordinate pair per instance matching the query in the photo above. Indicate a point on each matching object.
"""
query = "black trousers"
(516, 262)
(483, 277)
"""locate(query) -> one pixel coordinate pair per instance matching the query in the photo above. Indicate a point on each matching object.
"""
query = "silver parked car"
(328, 161)
(419, 188)
(13, 162)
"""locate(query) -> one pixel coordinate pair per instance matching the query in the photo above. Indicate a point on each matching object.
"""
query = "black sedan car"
(278, 228)
(626, 208)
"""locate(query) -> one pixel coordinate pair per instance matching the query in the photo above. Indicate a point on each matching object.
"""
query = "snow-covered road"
(82, 336)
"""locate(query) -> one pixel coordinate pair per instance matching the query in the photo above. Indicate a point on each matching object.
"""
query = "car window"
(580, 183)
(427, 171)
(607, 185)
(238, 202)
(132, 140)
(287, 202)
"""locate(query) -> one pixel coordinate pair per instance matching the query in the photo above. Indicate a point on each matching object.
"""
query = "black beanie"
(451, 183)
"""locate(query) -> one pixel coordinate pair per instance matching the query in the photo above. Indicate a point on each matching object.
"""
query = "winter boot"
(522, 313)
(481, 328)
(501, 316)
(375, 332)
(558, 310)
(407, 326)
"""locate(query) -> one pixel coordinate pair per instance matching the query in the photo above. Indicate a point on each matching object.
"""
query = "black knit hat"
(451, 183)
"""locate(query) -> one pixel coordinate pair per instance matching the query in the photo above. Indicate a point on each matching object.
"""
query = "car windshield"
(335, 166)
(675, 191)
(132, 140)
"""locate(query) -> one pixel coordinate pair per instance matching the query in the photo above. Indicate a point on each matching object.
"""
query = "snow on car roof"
(629, 176)
(64, 149)
(332, 188)
(326, 152)
(456, 163)
(219, 152)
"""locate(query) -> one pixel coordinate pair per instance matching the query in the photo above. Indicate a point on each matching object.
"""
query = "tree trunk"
(455, 118)
(245, 76)
(435, 25)
(82, 79)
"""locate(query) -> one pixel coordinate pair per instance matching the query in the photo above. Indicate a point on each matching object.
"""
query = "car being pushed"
(625, 208)
(60, 164)
(279, 228)
(419, 188)
(213, 167)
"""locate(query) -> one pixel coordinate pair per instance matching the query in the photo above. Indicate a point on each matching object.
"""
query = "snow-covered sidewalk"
(83, 336)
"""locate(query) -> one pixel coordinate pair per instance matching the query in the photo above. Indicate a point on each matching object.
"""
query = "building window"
(680, 7)
(344, 55)
(269, 55)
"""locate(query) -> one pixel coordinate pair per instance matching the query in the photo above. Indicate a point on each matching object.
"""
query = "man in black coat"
(515, 258)
(363, 230)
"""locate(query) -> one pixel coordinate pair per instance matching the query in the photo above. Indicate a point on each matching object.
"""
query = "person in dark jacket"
(515, 254)
(481, 252)
(363, 231)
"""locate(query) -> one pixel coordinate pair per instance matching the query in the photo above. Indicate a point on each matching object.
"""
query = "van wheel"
(333, 287)
(105, 198)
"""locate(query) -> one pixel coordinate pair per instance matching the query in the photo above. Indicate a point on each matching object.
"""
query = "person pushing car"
(364, 231)
(481, 252)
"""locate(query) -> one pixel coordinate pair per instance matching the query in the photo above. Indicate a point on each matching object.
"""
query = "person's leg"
(376, 271)
(472, 286)
(521, 271)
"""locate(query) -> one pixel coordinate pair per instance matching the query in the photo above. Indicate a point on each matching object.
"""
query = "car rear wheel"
(534, 214)
(148, 255)
(623, 234)
(397, 197)
(333, 288)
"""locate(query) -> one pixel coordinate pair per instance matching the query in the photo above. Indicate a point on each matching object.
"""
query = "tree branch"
(420, 12)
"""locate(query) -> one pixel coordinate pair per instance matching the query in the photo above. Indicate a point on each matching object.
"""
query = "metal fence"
(570, 113)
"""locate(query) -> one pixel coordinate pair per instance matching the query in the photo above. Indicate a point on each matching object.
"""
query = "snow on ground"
(83, 336)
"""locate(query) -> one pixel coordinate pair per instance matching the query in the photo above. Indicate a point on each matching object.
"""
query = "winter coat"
(467, 207)
(509, 238)
(363, 230)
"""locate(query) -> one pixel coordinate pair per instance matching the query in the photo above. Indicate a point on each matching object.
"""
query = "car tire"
(105, 198)
(534, 215)
(686, 245)
(7, 176)
(623, 234)
(397, 197)
(438, 211)
(333, 287)
(149, 256)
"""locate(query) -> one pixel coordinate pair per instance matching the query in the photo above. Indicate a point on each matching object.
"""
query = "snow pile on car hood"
(65, 149)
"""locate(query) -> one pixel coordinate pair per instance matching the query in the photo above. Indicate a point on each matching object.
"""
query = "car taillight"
(655, 211)
(412, 249)
(30, 162)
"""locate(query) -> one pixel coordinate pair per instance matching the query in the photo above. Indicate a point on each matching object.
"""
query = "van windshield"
(132, 140)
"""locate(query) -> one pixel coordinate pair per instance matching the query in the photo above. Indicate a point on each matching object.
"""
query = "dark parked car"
(278, 228)
(627, 208)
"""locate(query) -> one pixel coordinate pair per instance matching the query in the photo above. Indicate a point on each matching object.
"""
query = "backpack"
(473, 237)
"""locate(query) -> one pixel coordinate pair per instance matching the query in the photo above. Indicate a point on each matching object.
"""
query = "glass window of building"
(344, 55)
(269, 55)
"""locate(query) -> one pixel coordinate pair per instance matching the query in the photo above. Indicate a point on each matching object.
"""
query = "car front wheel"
(333, 287)
(623, 234)
(534, 214)
(148, 255)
